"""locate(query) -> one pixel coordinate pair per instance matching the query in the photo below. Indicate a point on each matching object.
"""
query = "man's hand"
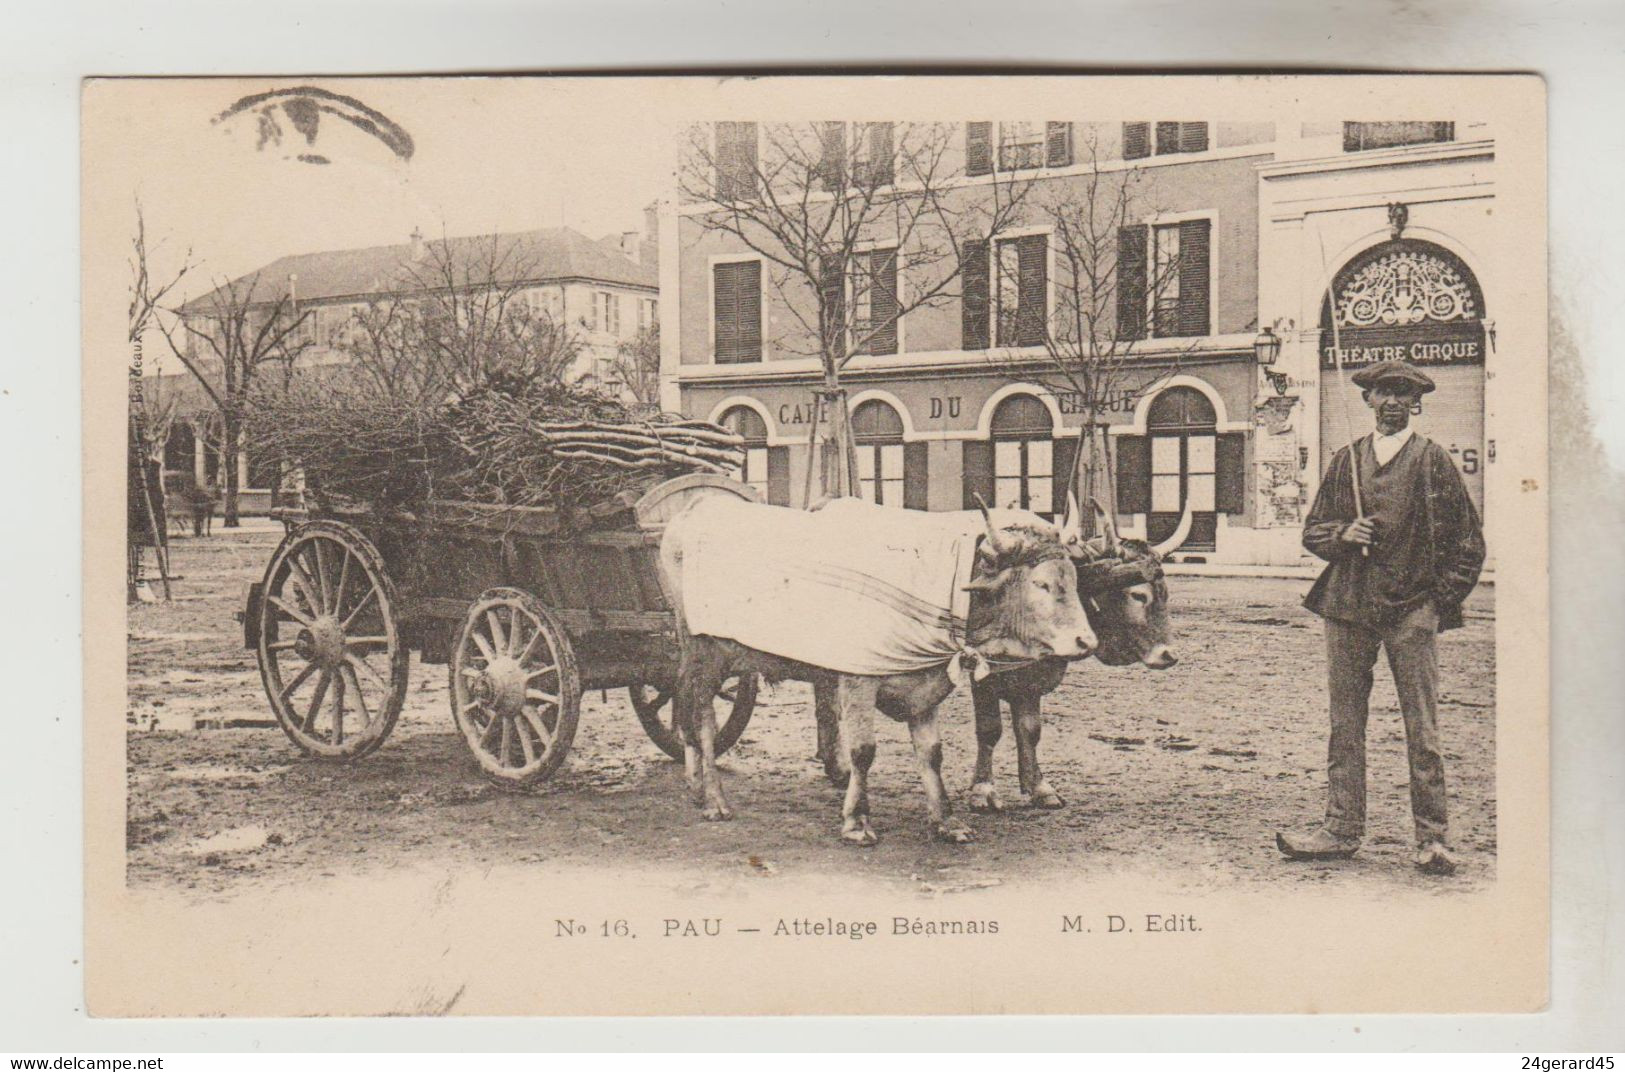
(1362, 531)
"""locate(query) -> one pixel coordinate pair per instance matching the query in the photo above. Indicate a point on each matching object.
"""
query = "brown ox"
(1126, 597)
(1024, 606)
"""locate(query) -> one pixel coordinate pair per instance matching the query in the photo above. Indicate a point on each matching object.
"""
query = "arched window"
(748, 424)
(878, 431)
(1184, 466)
(1024, 455)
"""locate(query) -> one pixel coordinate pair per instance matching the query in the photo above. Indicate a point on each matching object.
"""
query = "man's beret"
(1387, 371)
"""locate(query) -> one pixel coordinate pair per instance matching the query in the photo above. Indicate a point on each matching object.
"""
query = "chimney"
(417, 244)
(651, 235)
(630, 243)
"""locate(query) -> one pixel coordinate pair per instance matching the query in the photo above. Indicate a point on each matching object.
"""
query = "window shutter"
(1136, 140)
(1193, 137)
(1134, 474)
(1194, 281)
(1131, 242)
(916, 476)
(832, 157)
(834, 288)
(883, 301)
(778, 476)
(750, 311)
(1032, 315)
(978, 148)
(1058, 144)
(1230, 476)
(1167, 137)
(880, 154)
(736, 160)
(725, 284)
(1066, 450)
(978, 458)
(973, 306)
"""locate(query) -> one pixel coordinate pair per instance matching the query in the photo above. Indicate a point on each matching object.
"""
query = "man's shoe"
(1434, 859)
(1321, 844)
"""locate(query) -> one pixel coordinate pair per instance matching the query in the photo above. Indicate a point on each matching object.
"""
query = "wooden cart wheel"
(515, 691)
(659, 715)
(330, 647)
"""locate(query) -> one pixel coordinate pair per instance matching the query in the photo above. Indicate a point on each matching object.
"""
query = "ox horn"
(1108, 527)
(1001, 547)
(1182, 531)
(1072, 527)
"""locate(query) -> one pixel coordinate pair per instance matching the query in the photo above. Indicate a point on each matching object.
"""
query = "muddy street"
(1186, 772)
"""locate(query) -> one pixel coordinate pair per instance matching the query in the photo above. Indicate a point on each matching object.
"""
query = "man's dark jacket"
(1452, 538)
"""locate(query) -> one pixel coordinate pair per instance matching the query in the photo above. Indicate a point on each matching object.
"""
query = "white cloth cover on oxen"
(853, 587)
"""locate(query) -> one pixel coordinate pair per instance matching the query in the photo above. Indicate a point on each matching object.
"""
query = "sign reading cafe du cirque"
(1409, 301)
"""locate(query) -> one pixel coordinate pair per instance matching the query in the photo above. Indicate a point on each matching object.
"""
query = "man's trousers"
(1351, 653)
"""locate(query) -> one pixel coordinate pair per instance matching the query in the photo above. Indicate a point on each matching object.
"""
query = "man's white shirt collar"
(1386, 446)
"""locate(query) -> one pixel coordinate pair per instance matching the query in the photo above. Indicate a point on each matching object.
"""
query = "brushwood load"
(504, 443)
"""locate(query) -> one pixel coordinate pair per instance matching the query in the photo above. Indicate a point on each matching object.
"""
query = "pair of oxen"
(1041, 597)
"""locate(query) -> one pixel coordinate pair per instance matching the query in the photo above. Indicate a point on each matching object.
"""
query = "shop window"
(879, 434)
(1024, 455)
(1183, 459)
(767, 469)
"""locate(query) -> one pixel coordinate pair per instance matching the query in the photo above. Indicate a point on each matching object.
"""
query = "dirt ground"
(1188, 771)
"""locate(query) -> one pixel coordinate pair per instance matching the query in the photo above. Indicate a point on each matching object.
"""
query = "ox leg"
(1024, 714)
(928, 757)
(830, 753)
(989, 728)
(697, 689)
(855, 698)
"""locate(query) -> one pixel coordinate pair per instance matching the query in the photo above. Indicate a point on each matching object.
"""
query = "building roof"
(530, 256)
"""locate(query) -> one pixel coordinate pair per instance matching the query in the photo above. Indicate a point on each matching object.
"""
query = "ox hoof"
(858, 832)
(954, 832)
(717, 813)
(1047, 798)
(983, 797)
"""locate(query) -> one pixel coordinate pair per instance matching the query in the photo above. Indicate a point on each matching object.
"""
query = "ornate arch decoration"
(1402, 283)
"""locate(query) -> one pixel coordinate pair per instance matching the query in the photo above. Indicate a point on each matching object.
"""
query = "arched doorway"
(749, 426)
(1024, 467)
(878, 431)
(1184, 435)
(1415, 301)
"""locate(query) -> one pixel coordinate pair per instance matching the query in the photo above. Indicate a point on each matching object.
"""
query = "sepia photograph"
(636, 545)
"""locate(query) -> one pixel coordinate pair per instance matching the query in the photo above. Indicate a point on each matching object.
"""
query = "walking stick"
(1343, 389)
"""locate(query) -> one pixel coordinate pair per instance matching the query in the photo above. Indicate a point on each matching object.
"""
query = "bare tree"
(637, 366)
(456, 318)
(224, 339)
(1114, 287)
(857, 225)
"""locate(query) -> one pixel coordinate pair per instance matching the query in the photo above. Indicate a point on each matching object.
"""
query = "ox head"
(1024, 596)
(1123, 591)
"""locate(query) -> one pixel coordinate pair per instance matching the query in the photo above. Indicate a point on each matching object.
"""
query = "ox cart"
(528, 607)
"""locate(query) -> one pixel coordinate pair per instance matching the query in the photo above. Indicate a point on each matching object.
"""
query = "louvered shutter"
(1131, 242)
(738, 312)
(880, 154)
(974, 286)
(978, 477)
(1194, 277)
(834, 288)
(916, 476)
(1058, 144)
(1167, 137)
(1230, 473)
(1032, 314)
(883, 301)
(1136, 140)
(1066, 450)
(725, 286)
(978, 148)
(736, 160)
(778, 476)
(1134, 474)
(832, 157)
(1193, 137)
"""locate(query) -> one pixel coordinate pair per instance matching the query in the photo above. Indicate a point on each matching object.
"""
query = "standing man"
(1398, 576)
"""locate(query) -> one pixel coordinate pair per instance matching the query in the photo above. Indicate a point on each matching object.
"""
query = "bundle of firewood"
(526, 445)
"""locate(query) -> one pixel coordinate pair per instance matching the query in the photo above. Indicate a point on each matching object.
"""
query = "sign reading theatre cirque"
(1410, 300)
